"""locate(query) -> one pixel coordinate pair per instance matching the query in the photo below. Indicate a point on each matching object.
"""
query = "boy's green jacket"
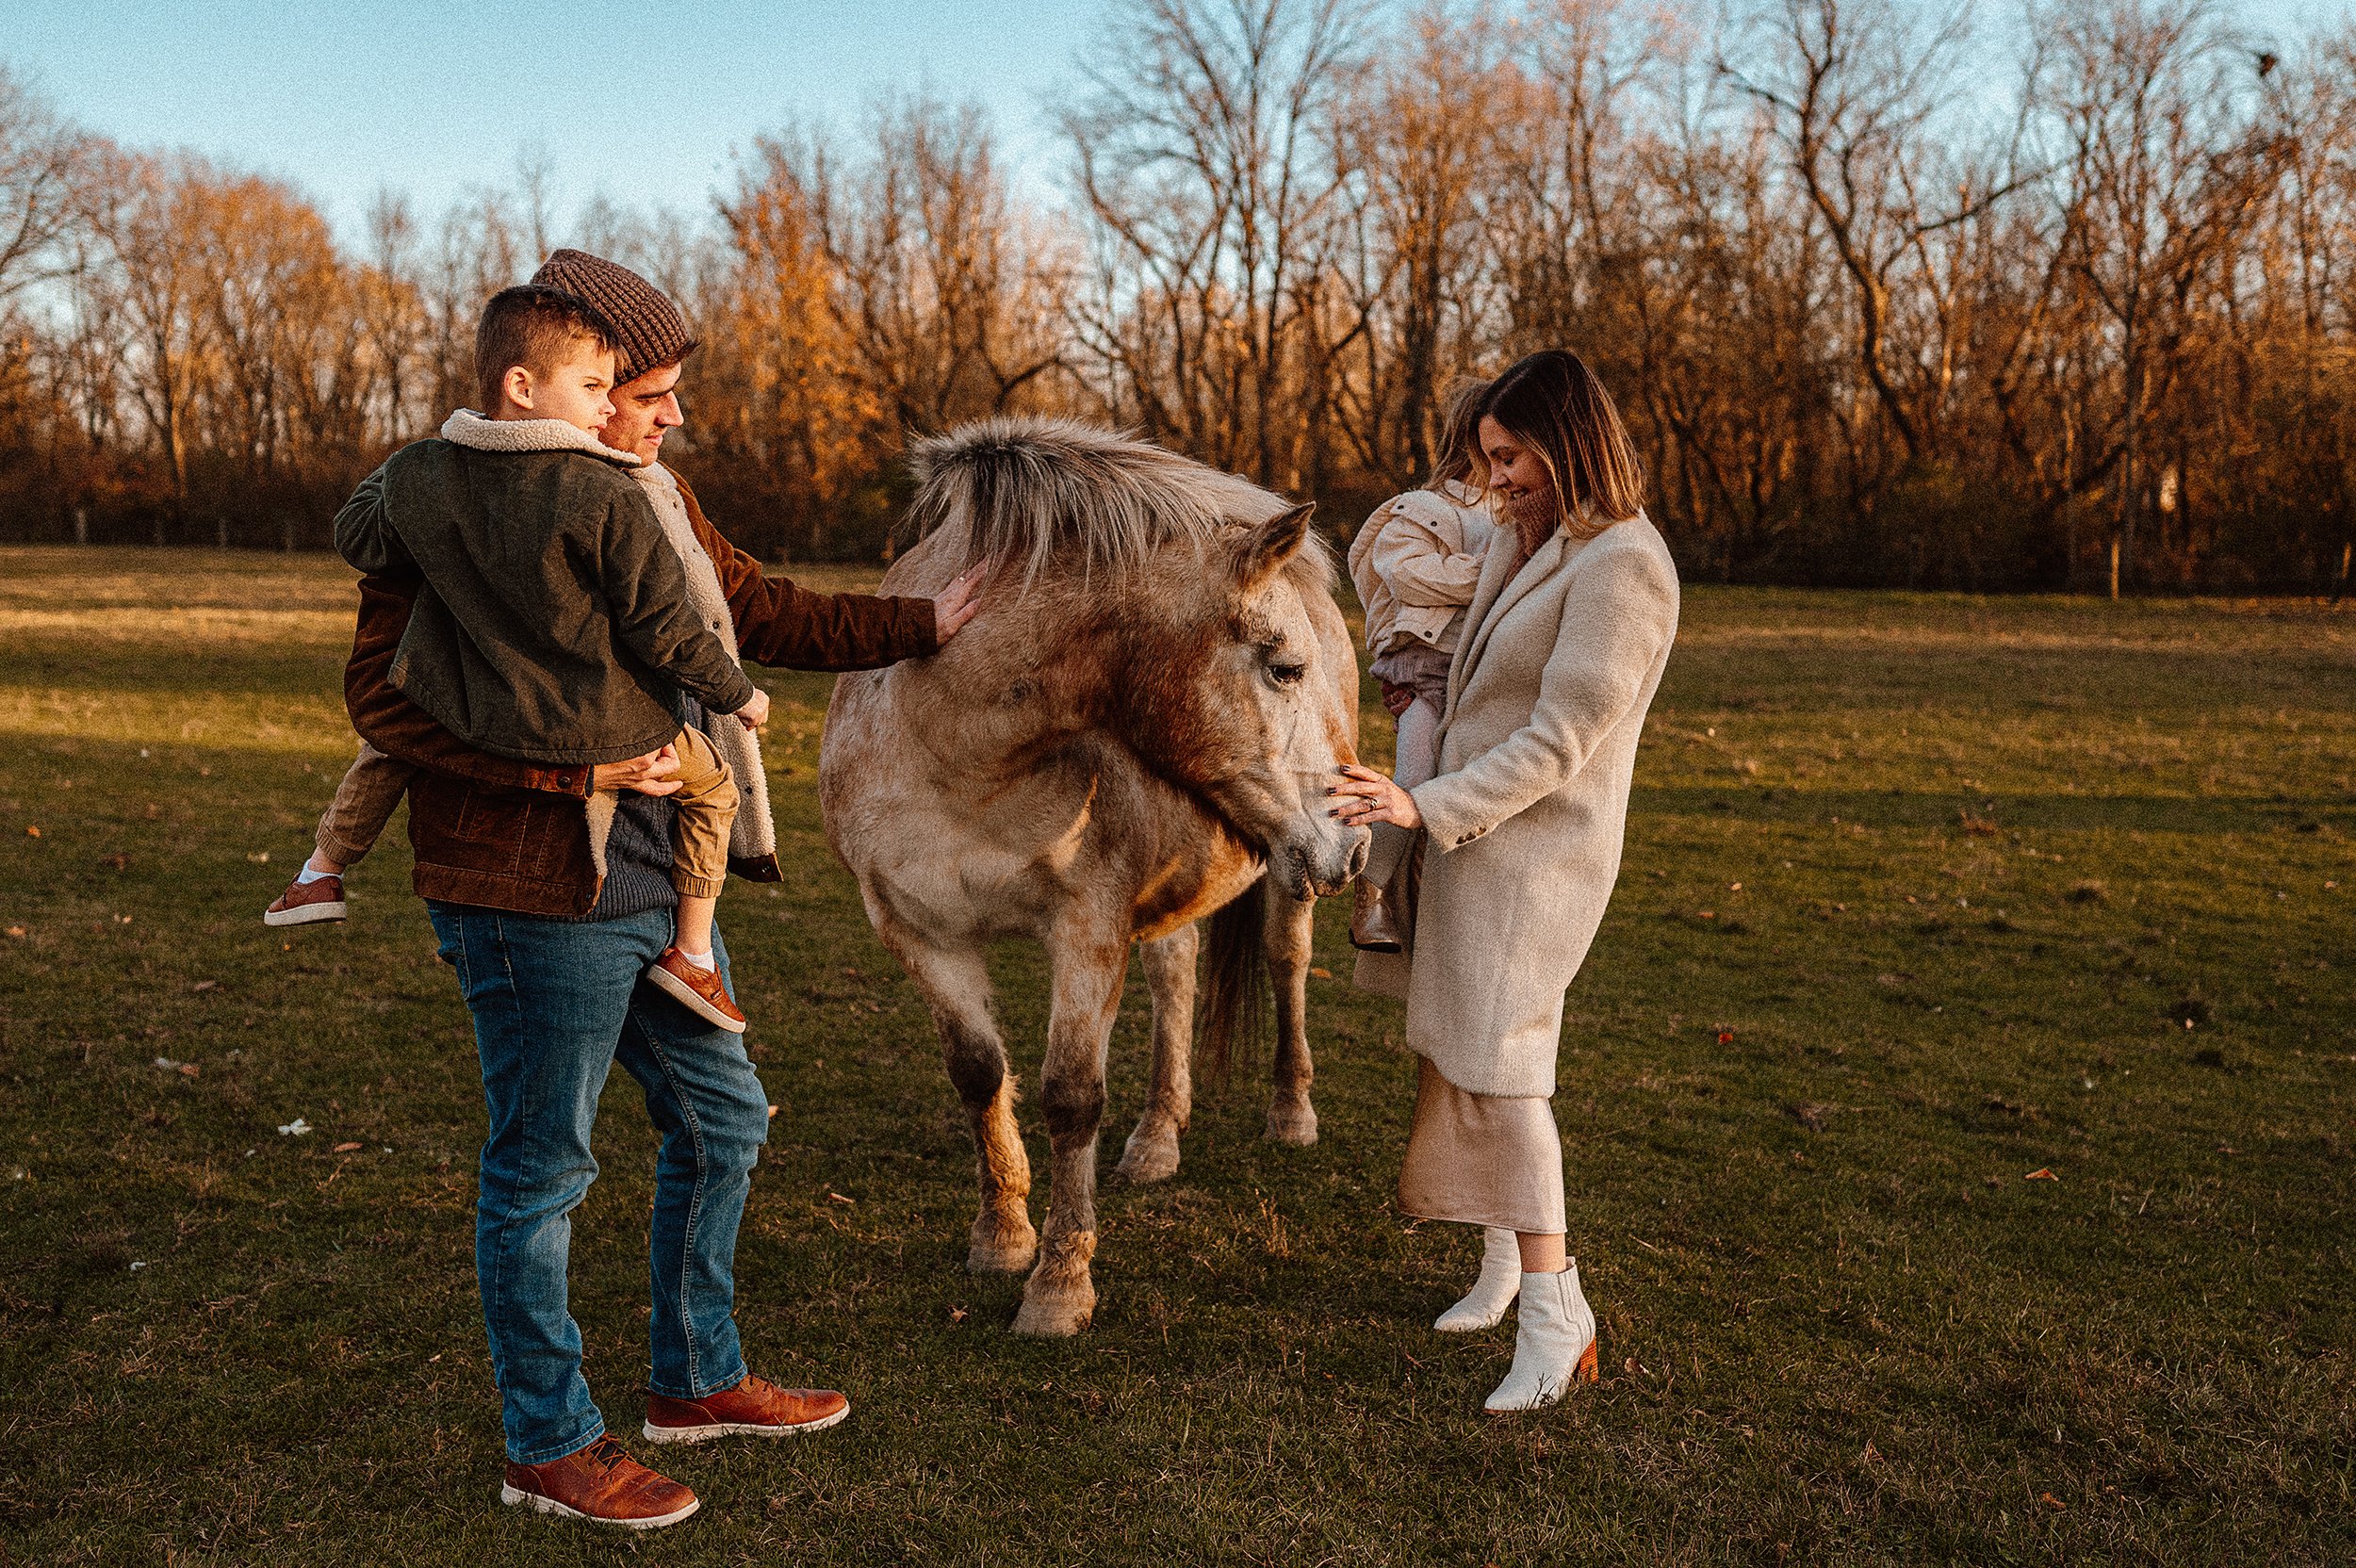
(554, 625)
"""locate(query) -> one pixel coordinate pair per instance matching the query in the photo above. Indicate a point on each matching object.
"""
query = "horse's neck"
(1030, 675)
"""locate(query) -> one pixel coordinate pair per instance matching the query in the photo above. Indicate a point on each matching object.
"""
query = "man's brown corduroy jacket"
(508, 835)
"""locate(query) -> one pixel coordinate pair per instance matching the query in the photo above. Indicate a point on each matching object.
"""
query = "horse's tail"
(1234, 1000)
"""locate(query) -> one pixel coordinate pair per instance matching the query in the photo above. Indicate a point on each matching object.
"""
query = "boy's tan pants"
(706, 801)
(363, 803)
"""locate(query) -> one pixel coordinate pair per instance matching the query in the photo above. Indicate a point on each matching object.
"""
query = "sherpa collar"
(467, 427)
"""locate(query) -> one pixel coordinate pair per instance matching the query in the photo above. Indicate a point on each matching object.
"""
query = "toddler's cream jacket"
(1416, 563)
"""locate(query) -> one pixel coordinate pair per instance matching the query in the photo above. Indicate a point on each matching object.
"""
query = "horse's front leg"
(1088, 966)
(1286, 938)
(1152, 1152)
(956, 987)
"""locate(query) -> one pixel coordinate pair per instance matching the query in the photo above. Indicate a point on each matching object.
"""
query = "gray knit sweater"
(555, 624)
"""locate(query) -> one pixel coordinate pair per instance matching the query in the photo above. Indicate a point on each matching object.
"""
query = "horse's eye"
(1287, 675)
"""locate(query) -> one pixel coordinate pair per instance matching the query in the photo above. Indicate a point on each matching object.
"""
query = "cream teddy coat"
(1524, 819)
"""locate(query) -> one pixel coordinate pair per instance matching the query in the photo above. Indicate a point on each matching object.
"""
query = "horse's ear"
(1267, 547)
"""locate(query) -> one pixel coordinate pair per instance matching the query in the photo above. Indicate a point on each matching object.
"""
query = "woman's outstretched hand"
(958, 602)
(1365, 797)
(1396, 699)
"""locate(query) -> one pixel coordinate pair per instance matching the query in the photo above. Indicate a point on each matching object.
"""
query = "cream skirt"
(1483, 1159)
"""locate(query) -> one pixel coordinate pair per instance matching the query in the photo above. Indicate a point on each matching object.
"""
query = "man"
(550, 906)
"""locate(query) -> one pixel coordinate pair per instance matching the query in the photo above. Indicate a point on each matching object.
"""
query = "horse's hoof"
(1001, 1246)
(1293, 1124)
(1061, 1298)
(1149, 1155)
(1057, 1314)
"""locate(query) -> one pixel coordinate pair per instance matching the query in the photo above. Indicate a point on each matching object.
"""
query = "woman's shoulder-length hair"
(1551, 402)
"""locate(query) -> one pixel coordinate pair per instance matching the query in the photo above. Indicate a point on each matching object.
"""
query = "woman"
(1565, 643)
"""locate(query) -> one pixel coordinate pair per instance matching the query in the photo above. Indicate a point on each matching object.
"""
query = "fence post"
(2114, 565)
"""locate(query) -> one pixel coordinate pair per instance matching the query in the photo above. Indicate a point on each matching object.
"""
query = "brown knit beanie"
(648, 330)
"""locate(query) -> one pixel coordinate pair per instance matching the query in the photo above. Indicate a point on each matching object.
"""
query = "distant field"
(1923, 895)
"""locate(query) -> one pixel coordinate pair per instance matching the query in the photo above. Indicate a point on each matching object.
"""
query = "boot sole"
(512, 1495)
(684, 994)
(738, 1429)
(304, 914)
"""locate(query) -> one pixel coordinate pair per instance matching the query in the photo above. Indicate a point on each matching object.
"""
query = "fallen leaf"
(1871, 1456)
(833, 1197)
(31, 832)
(190, 1069)
(1707, 914)
(346, 1148)
(205, 984)
(119, 860)
(2042, 1174)
(958, 1315)
(773, 1110)
(2058, 1504)
(1726, 1037)
(1322, 973)
(16, 930)
(1734, 886)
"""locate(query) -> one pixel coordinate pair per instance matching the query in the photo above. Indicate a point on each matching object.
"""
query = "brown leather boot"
(701, 990)
(754, 1407)
(600, 1483)
(1371, 927)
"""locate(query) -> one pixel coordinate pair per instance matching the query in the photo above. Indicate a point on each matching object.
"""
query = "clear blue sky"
(642, 102)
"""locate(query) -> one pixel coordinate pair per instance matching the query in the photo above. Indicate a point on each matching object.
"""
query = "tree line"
(2059, 299)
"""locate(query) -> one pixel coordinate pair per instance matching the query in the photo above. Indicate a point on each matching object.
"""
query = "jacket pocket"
(471, 827)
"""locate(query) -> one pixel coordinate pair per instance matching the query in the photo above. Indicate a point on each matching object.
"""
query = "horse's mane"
(1058, 495)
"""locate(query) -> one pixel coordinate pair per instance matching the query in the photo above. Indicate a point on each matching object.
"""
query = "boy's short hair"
(530, 326)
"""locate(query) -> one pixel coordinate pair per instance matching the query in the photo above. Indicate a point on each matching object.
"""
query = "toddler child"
(553, 625)
(1415, 563)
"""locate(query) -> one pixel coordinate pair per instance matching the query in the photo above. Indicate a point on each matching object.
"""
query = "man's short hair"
(531, 325)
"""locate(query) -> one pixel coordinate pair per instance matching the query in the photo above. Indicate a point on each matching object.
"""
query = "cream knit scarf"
(755, 834)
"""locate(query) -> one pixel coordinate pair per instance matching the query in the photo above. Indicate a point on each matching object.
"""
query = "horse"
(1136, 731)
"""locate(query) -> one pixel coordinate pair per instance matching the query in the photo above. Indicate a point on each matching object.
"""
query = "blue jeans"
(556, 1004)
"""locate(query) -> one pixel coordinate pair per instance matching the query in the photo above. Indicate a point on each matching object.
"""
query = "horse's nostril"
(1358, 858)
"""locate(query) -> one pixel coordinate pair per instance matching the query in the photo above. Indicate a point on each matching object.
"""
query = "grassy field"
(1926, 898)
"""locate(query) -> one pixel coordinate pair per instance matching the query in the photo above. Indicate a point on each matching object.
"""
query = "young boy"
(554, 622)
(1415, 565)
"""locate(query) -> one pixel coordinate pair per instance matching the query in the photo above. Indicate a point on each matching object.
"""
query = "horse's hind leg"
(956, 985)
(1152, 1152)
(1088, 969)
(1287, 939)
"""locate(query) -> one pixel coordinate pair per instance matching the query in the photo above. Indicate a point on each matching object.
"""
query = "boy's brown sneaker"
(753, 1407)
(701, 990)
(304, 901)
(600, 1483)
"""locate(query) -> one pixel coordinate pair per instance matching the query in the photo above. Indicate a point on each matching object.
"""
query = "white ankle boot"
(1501, 1277)
(1556, 1344)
